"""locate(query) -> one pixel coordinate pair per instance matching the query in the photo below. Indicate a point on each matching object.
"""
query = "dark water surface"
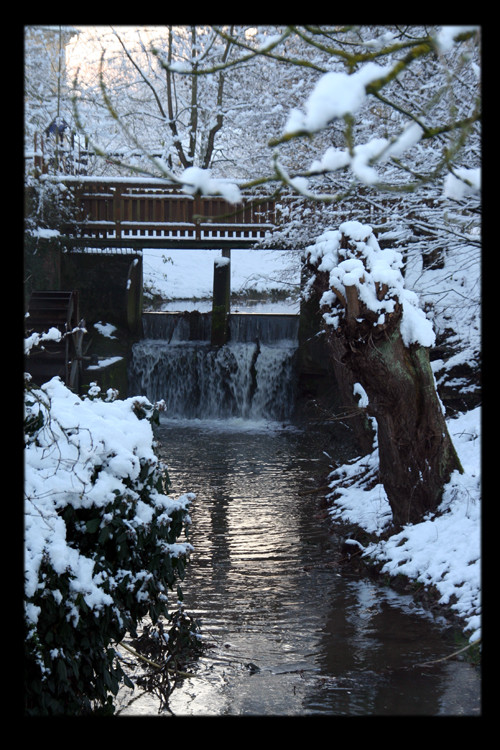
(292, 632)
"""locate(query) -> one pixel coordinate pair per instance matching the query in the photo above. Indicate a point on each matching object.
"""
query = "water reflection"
(292, 633)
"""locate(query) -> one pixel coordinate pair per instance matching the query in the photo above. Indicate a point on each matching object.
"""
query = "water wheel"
(54, 309)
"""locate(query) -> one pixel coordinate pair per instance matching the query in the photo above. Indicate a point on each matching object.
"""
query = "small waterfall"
(252, 377)
(243, 327)
(186, 326)
(269, 329)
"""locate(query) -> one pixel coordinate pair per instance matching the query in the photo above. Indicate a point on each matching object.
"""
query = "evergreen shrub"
(101, 543)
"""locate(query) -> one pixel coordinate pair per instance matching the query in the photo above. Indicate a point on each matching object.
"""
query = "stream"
(291, 632)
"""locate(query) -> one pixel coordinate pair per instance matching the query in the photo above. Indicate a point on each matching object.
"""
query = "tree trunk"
(363, 298)
(341, 402)
(416, 454)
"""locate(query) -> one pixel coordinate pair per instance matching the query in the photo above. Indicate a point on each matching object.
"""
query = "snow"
(464, 182)
(196, 179)
(106, 362)
(36, 339)
(374, 151)
(106, 329)
(377, 149)
(45, 233)
(181, 276)
(366, 267)
(446, 36)
(82, 437)
(335, 95)
(444, 549)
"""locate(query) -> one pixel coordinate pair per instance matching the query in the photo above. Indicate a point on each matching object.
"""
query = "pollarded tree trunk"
(416, 454)
(384, 336)
(343, 405)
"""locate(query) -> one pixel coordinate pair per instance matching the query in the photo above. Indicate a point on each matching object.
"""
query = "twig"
(316, 490)
(450, 656)
(154, 664)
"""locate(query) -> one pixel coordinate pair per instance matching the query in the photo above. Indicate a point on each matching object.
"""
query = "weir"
(269, 328)
(253, 376)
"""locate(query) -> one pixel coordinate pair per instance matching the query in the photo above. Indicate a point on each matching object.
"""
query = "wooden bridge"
(139, 213)
(131, 214)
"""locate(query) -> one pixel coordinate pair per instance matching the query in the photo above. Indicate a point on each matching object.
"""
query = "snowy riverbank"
(444, 550)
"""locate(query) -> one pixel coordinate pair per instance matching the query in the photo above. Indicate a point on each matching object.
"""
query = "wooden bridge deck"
(147, 213)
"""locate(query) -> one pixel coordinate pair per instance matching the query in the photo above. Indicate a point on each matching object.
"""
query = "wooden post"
(197, 211)
(221, 299)
(118, 210)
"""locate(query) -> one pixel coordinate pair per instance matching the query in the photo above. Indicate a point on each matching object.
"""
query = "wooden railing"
(132, 211)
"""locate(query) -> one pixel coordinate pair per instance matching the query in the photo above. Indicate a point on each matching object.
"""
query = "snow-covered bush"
(101, 542)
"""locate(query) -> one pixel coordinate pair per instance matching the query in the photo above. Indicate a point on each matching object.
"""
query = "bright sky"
(84, 50)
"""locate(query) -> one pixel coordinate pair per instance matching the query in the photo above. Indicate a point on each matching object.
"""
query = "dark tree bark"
(343, 404)
(416, 454)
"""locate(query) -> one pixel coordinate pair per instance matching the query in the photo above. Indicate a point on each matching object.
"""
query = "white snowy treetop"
(365, 266)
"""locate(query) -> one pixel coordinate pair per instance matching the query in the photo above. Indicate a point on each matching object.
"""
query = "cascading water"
(251, 377)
